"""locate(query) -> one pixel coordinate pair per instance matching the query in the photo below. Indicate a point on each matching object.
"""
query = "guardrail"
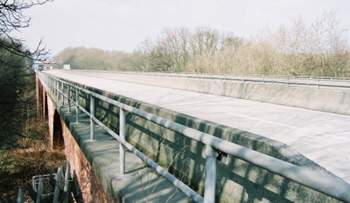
(318, 82)
(324, 184)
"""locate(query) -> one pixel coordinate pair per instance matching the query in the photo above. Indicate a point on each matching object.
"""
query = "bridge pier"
(57, 136)
(41, 100)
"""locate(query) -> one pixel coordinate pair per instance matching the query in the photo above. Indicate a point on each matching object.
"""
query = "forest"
(318, 48)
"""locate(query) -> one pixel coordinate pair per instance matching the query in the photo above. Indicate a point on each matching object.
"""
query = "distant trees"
(318, 48)
(92, 58)
(175, 48)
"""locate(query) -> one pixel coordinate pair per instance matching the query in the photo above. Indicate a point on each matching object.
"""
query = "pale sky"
(123, 24)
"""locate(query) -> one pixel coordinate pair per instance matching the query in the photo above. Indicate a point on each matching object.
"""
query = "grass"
(32, 156)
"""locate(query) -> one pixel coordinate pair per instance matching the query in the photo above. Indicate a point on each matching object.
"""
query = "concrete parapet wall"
(327, 100)
(237, 180)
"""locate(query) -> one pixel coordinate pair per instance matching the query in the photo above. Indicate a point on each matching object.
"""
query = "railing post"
(57, 185)
(40, 190)
(68, 98)
(55, 83)
(210, 175)
(92, 112)
(77, 105)
(20, 198)
(50, 84)
(59, 90)
(66, 188)
(122, 139)
(62, 93)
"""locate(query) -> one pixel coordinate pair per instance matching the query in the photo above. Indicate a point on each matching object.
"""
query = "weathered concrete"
(236, 178)
(96, 162)
(326, 100)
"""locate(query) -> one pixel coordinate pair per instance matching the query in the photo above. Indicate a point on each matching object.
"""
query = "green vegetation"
(319, 48)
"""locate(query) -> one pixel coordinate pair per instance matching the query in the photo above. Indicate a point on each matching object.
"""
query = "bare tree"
(15, 76)
(175, 48)
(205, 39)
(318, 48)
(13, 19)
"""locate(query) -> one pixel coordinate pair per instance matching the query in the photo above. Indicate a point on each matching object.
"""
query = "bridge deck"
(321, 137)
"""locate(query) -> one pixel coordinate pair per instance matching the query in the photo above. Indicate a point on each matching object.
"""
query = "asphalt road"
(321, 137)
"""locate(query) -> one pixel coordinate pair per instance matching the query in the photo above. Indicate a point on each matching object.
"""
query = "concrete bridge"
(211, 139)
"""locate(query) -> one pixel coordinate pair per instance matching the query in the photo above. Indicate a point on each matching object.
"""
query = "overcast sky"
(122, 24)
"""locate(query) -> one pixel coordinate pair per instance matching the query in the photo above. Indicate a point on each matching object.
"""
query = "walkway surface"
(321, 137)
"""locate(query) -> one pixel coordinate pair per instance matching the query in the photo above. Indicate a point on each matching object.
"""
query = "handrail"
(319, 182)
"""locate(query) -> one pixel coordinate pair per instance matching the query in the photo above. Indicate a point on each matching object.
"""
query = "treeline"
(319, 48)
(92, 58)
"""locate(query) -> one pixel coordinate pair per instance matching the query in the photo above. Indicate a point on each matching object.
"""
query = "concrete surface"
(333, 100)
(322, 137)
(138, 184)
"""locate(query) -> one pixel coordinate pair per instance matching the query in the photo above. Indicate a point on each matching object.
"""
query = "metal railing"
(305, 81)
(319, 182)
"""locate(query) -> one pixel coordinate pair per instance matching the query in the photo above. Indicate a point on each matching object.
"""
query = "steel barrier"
(318, 82)
(319, 182)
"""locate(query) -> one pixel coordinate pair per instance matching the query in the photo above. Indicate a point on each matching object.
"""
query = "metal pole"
(50, 83)
(210, 175)
(68, 98)
(66, 188)
(77, 105)
(58, 90)
(40, 191)
(122, 139)
(57, 185)
(55, 87)
(92, 112)
(20, 198)
(62, 93)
